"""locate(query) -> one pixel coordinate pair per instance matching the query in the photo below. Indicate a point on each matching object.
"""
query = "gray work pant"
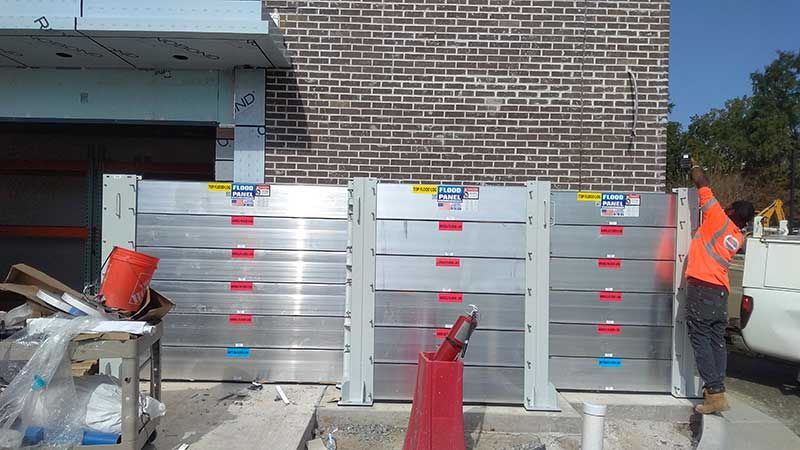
(707, 317)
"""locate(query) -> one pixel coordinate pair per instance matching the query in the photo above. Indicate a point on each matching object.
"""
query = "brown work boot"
(713, 403)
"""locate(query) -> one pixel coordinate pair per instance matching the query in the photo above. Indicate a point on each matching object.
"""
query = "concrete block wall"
(471, 91)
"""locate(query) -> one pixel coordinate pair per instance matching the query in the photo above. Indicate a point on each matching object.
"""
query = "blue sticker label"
(609, 362)
(613, 199)
(243, 190)
(238, 352)
(450, 193)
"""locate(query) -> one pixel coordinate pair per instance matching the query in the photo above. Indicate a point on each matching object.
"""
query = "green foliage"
(750, 138)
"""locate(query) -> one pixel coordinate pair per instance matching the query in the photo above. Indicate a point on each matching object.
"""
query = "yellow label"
(424, 189)
(589, 196)
(219, 187)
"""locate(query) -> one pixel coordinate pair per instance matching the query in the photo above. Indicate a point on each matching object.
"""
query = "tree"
(750, 145)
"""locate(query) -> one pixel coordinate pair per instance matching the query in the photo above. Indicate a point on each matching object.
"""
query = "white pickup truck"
(770, 310)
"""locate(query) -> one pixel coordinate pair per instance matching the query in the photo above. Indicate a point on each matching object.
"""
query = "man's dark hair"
(741, 212)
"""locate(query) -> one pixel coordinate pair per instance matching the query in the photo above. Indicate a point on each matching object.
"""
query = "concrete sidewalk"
(635, 421)
(745, 428)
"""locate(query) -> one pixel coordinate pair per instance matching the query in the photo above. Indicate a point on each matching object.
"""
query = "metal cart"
(135, 434)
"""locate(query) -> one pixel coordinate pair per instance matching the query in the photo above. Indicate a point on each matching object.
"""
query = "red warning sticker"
(240, 319)
(611, 230)
(610, 296)
(449, 225)
(609, 263)
(242, 220)
(441, 333)
(608, 329)
(448, 262)
(451, 297)
(241, 286)
(243, 253)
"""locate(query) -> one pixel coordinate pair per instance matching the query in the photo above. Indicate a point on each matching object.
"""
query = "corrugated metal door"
(433, 260)
(611, 275)
(259, 288)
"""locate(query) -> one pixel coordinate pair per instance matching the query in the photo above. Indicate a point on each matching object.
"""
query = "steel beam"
(359, 325)
(685, 380)
(539, 394)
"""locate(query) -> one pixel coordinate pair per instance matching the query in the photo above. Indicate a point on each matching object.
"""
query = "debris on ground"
(281, 395)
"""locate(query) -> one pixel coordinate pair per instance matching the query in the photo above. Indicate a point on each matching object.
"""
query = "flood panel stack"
(433, 259)
(259, 283)
(612, 269)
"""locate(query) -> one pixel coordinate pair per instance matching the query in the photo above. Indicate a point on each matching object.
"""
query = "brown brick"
(470, 91)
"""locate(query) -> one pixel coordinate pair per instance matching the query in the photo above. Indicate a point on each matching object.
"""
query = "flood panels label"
(589, 196)
(241, 286)
(243, 194)
(240, 319)
(606, 263)
(219, 187)
(610, 296)
(451, 297)
(238, 352)
(611, 230)
(609, 362)
(243, 253)
(449, 193)
(246, 221)
(449, 225)
(448, 262)
(616, 204)
(609, 330)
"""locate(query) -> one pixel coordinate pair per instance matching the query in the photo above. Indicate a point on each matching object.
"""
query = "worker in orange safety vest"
(713, 247)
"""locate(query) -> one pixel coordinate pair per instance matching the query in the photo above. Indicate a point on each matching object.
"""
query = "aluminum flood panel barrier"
(258, 276)
(612, 271)
(434, 250)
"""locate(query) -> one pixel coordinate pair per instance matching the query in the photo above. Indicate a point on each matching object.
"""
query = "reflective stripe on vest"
(708, 204)
(709, 246)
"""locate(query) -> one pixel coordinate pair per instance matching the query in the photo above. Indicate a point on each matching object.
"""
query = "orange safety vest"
(714, 244)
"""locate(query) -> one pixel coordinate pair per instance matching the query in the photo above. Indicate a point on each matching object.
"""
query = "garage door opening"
(51, 184)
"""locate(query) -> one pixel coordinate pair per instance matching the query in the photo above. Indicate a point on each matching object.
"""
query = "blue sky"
(716, 44)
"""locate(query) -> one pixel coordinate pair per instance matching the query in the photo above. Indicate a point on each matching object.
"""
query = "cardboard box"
(23, 282)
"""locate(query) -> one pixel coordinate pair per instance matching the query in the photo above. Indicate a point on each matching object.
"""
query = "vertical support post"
(118, 230)
(129, 378)
(94, 192)
(540, 394)
(155, 369)
(685, 381)
(249, 119)
(359, 348)
(119, 212)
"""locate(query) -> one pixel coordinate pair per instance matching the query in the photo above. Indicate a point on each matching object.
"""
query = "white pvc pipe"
(594, 418)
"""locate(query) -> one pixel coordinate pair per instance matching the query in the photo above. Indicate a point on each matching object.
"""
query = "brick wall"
(470, 91)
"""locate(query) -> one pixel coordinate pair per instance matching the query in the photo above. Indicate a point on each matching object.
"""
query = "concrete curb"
(655, 407)
(745, 428)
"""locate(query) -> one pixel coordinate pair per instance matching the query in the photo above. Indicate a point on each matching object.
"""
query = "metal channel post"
(119, 212)
(540, 394)
(359, 348)
(685, 381)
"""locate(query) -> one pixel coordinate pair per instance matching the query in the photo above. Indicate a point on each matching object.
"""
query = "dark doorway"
(51, 185)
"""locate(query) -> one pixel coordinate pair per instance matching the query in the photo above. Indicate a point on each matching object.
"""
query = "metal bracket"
(359, 338)
(685, 381)
(119, 212)
(539, 392)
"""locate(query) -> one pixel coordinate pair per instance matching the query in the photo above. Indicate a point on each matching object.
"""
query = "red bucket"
(127, 278)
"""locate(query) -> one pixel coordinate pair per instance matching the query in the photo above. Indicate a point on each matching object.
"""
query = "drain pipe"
(594, 418)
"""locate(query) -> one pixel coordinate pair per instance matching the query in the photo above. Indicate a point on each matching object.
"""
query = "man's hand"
(697, 174)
